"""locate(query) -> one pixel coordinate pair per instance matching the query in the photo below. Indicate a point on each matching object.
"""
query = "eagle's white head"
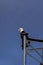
(20, 30)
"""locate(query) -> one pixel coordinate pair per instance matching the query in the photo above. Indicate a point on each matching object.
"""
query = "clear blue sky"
(14, 14)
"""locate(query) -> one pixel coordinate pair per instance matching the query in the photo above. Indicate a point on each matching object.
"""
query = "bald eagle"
(22, 33)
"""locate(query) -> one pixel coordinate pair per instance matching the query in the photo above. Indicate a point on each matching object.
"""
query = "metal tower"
(26, 40)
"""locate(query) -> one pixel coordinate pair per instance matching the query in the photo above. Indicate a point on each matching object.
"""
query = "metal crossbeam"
(36, 49)
(36, 40)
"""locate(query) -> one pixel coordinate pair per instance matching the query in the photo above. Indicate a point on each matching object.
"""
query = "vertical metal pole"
(42, 58)
(24, 50)
(42, 55)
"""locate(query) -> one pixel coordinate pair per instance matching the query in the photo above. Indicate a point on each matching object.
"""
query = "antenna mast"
(26, 44)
